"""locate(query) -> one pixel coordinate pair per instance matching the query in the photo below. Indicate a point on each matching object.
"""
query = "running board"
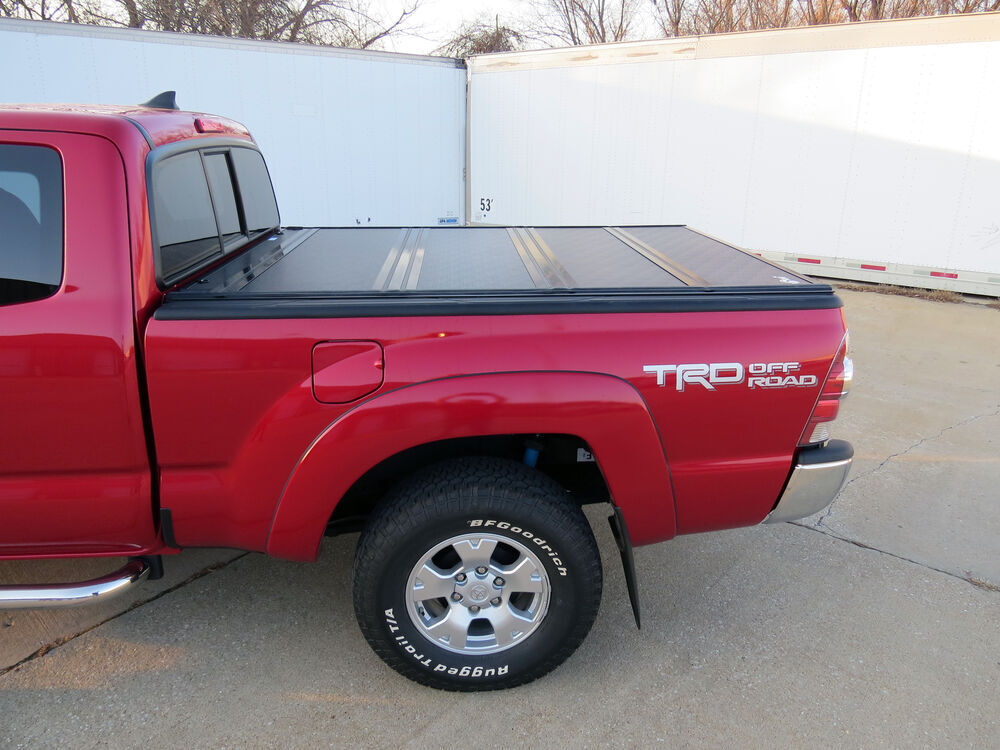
(32, 596)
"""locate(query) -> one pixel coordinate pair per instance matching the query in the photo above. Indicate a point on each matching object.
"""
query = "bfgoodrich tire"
(476, 574)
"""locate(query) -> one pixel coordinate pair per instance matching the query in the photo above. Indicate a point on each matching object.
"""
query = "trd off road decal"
(756, 375)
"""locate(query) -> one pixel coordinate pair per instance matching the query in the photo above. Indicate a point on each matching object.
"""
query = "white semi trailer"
(353, 137)
(861, 151)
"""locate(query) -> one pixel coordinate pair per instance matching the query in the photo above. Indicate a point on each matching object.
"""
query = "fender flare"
(603, 410)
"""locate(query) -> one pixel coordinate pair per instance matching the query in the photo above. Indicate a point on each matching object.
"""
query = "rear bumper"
(818, 476)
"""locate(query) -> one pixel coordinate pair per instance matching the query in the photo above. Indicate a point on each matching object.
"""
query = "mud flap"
(620, 531)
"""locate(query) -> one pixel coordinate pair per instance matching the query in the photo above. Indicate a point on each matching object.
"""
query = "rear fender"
(605, 411)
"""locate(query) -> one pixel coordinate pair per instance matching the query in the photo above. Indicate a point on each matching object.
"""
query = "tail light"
(838, 383)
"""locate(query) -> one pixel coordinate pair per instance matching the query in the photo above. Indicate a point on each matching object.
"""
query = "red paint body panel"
(227, 461)
(74, 473)
(605, 411)
(74, 469)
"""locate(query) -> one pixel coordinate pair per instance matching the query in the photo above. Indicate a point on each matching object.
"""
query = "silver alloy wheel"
(478, 594)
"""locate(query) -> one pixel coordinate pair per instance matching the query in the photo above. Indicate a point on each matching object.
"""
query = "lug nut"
(460, 578)
(499, 582)
(481, 570)
(495, 601)
(473, 609)
(456, 597)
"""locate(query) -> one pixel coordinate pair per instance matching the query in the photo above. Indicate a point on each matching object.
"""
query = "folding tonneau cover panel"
(459, 259)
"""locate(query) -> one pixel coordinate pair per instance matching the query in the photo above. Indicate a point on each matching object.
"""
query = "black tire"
(526, 626)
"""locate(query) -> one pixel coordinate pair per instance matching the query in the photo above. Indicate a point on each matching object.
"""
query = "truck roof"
(158, 126)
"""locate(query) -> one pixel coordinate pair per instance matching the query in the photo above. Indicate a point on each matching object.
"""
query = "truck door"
(74, 471)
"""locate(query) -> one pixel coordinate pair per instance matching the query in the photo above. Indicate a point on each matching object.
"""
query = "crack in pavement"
(967, 578)
(62, 641)
(887, 459)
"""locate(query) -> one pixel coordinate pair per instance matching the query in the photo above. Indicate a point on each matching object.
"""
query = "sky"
(436, 20)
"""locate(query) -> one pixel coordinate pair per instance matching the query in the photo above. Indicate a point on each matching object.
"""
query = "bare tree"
(362, 28)
(678, 17)
(672, 16)
(354, 23)
(583, 21)
(815, 12)
(341, 23)
(72, 11)
(480, 37)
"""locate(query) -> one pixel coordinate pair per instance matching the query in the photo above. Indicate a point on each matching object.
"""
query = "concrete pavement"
(924, 418)
(875, 624)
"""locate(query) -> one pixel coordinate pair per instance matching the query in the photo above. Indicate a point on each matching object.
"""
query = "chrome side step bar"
(32, 596)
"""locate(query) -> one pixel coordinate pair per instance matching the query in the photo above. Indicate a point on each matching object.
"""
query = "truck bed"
(489, 270)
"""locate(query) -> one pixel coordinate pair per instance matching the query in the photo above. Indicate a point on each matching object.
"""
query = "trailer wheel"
(476, 574)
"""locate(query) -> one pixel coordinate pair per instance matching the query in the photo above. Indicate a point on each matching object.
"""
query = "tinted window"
(31, 223)
(185, 224)
(208, 202)
(255, 188)
(221, 182)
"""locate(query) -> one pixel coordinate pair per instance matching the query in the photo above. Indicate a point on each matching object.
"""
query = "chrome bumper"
(818, 476)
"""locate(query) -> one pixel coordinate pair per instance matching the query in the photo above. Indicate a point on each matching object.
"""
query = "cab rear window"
(31, 219)
(207, 203)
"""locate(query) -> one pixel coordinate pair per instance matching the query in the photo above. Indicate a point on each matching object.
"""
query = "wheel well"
(559, 456)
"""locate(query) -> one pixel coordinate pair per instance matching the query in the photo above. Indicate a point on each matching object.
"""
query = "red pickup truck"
(177, 370)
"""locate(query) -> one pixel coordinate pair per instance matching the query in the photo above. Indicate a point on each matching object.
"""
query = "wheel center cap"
(479, 592)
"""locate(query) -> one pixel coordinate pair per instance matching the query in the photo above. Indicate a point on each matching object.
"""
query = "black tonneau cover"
(487, 270)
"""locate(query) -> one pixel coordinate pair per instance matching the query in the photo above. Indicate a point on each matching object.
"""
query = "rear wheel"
(476, 574)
